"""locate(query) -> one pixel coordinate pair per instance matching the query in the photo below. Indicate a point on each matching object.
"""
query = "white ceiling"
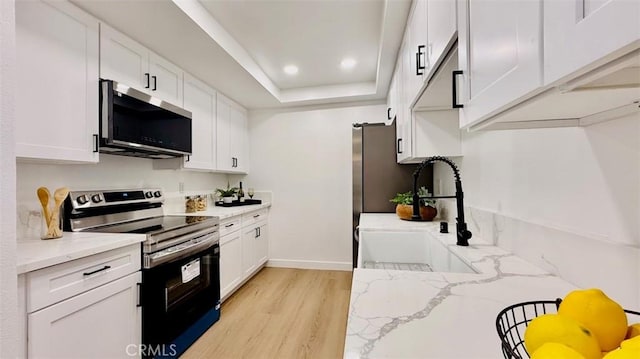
(240, 47)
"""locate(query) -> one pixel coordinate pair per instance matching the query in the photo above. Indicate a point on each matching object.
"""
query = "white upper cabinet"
(416, 59)
(124, 60)
(403, 115)
(392, 98)
(56, 82)
(441, 28)
(577, 33)
(500, 54)
(232, 136)
(200, 99)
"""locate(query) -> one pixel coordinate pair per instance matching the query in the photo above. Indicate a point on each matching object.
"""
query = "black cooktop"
(153, 225)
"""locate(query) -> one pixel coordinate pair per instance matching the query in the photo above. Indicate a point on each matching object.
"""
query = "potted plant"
(404, 205)
(227, 194)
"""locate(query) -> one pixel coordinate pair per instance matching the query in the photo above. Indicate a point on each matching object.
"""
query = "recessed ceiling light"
(348, 63)
(291, 69)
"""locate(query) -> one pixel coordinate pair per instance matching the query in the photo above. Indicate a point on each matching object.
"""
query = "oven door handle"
(156, 259)
(155, 246)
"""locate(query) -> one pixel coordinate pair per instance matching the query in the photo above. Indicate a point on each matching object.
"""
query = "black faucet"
(461, 227)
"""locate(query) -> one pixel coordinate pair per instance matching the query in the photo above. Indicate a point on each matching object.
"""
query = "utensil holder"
(53, 230)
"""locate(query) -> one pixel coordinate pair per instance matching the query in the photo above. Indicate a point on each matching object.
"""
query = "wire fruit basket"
(513, 320)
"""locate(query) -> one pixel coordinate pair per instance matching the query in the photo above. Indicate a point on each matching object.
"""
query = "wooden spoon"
(43, 196)
(59, 195)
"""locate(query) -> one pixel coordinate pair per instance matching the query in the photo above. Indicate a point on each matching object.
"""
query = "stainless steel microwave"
(132, 123)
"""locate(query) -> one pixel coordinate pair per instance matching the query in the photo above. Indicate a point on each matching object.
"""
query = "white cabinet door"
(103, 322)
(200, 99)
(249, 235)
(500, 53)
(262, 244)
(403, 117)
(441, 25)
(392, 98)
(232, 137)
(578, 33)
(166, 80)
(231, 273)
(225, 161)
(123, 60)
(239, 139)
(417, 58)
(56, 82)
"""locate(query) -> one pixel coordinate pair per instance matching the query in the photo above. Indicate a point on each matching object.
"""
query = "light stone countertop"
(224, 212)
(35, 253)
(402, 314)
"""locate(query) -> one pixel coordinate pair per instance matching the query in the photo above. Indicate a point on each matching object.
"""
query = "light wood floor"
(281, 313)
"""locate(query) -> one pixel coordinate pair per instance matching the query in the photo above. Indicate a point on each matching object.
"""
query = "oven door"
(178, 295)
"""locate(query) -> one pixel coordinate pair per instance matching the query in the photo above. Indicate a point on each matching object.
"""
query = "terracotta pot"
(405, 211)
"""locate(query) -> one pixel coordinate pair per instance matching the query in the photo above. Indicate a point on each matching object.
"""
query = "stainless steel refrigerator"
(377, 177)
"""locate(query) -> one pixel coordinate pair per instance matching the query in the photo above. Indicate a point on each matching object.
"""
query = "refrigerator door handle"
(356, 234)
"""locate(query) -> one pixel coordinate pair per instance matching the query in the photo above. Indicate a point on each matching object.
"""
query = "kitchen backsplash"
(580, 259)
(112, 172)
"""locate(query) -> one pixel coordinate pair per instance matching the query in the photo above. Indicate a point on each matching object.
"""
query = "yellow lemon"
(555, 351)
(564, 330)
(633, 331)
(631, 343)
(598, 313)
(632, 353)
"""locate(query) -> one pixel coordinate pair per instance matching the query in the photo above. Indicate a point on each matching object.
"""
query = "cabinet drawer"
(53, 284)
(229, 225)
(252, 218)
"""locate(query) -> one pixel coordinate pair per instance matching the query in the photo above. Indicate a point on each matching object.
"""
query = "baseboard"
(301, 264)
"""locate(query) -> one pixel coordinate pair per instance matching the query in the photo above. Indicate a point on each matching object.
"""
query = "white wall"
(112, 172)
(304, 157)
(8, 280)
(567, 199)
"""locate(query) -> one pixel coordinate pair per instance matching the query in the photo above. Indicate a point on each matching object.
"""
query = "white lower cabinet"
(103, 322)
(261, 244)
(249, 235)
(85, 308)
(244, 249)
(230, 263)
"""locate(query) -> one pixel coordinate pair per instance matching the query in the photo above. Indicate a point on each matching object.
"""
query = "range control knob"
(148, 194)
(96, 198)
(157, 194)
(82, 199)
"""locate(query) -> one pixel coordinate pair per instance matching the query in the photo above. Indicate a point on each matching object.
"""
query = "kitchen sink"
(413, 251)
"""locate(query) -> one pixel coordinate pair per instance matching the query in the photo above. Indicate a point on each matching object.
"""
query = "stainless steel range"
(180, 292)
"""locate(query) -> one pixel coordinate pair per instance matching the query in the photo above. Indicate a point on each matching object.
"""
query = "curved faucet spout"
(463, 233)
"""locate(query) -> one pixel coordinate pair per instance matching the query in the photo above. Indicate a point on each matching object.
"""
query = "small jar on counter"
(191, 205)
(201, 203)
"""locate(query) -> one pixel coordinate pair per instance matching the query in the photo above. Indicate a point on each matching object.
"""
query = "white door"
(231, 273)
(392, 98)
(123, 60)
(166, 80)
(56, 82)
(500, 53)
(239, 139)
(441, 24)
(577, 33)
(403, 117)
(415, 53)
(103, 322)
(249, 235)
(223, 135)
(262, 244)
(200, 99)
